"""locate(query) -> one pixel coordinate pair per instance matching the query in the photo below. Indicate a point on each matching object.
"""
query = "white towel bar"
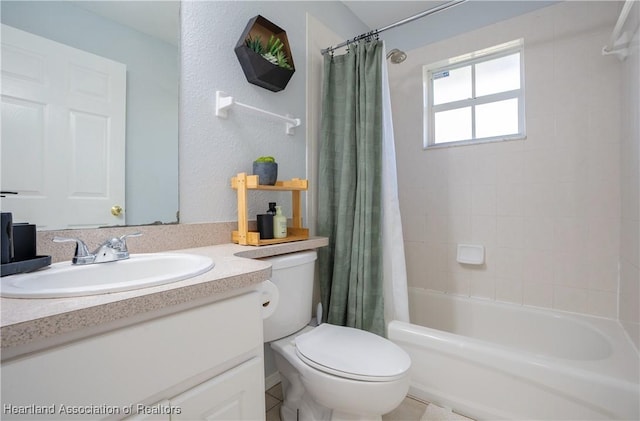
(224, 102)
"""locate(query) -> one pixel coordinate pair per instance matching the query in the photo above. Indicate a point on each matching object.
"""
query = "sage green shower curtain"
(349, 193)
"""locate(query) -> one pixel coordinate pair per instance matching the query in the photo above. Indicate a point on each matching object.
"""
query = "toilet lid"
(352, 353)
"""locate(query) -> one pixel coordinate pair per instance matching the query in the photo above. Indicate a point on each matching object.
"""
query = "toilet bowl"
(329, 372)
(353, 373)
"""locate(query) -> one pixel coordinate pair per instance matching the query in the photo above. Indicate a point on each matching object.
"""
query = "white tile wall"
(630, 190)
(548, 208)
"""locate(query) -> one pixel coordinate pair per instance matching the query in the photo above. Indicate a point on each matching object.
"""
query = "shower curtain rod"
(619, 41)
(373, 33)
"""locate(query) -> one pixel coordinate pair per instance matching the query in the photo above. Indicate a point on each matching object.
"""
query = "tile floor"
(273, 400)
(410, 409)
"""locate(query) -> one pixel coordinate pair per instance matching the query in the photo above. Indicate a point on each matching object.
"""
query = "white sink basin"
(138, 271)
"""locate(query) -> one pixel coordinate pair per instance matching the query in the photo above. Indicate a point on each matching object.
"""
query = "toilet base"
(297, 404)
(308, 414)
(306, 409)
(303, 413)
(343, 416)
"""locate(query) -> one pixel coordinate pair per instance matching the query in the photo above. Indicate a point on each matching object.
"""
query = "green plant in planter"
(266, 168)
(272, 52)
(265, 159)
(255, 44)
(275, 54)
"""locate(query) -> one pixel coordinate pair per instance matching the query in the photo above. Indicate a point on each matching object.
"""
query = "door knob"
(116, 210)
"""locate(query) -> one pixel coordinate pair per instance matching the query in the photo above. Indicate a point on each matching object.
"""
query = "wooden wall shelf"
(242, 183)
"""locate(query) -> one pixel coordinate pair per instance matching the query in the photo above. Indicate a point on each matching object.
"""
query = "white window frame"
(471, 59)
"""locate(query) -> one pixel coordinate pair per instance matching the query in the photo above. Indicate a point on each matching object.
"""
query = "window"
(476, 97)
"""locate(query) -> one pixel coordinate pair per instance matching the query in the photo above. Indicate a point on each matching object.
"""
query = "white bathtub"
(490, 360)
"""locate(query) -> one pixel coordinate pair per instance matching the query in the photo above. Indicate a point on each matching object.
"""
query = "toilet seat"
(352, 353)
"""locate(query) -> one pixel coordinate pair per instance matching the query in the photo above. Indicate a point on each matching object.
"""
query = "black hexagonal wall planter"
(257, 69)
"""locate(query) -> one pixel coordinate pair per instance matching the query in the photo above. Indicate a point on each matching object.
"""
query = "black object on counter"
(24, 242)
(7, 237)
(25, 265)
(265, 226)
(19, 253)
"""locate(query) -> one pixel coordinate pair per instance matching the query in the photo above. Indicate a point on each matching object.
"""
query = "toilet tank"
(293, 275)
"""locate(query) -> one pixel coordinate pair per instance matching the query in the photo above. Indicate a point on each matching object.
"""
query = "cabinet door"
(237, 394)
(151, 415)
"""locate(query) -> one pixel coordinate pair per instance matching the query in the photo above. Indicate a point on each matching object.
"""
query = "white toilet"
(328, 372)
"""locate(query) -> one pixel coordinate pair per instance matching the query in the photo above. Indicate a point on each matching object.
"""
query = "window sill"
(473, 142)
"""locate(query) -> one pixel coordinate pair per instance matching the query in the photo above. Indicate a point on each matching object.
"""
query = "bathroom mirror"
(144, 36)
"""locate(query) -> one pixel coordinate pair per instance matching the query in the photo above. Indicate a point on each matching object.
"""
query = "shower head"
(396, 56)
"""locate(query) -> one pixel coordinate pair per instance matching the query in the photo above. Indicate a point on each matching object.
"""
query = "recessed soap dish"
(470, 254)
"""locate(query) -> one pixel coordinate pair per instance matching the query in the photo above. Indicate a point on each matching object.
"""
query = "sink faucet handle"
(81, 248)
(133, 234)
(123, 239)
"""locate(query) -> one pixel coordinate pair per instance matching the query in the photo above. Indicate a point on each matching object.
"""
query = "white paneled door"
(63, 133)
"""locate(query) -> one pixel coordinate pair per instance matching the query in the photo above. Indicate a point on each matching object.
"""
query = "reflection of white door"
(63, 133)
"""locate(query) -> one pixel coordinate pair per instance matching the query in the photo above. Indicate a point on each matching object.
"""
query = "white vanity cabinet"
(229, 396)
(203, 362)
(225, 397)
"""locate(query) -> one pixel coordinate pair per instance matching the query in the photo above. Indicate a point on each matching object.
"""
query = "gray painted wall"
(212, 150)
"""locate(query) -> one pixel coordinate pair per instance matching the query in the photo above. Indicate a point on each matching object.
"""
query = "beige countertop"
(32, 324)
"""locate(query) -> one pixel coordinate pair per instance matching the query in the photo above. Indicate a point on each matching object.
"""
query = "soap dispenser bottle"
(279, 224)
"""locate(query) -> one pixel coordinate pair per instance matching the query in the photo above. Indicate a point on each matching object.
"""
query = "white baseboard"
(271, 380)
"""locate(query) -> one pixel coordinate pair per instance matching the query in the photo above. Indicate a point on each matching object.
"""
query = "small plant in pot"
(273, 51)
(266, 169)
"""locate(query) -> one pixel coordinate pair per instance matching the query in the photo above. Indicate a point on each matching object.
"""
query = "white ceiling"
(161, 18)
(464, 17)
(378, 14)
